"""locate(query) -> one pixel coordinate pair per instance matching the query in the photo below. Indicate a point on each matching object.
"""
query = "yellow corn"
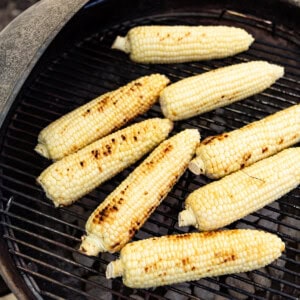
(124, 211)
(222, 202)
(174, 44)
(178, 258)
(77, 174)
(201, 93)
(223, 154)
(99, 117)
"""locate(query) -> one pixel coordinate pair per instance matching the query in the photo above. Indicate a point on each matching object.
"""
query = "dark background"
(9, 9)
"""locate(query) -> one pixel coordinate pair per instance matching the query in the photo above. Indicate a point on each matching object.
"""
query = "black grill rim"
(3, 249)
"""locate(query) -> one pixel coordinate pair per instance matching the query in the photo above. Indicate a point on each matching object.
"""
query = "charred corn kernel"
(201, 93)
(75, 175)
(223, 154)
(222, 202)
(99, 117)
(125, 210)
(174, 44)
(178, 258)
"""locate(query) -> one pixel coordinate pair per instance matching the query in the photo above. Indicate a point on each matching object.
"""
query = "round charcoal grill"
(39, 243)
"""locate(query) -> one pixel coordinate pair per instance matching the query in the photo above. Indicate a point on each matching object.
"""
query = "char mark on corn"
(223, 154)
(175, 44)
(178, 258)
(99, 117)
(77, 174)
(126, 209)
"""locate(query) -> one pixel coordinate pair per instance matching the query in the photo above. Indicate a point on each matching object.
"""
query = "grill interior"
(43, 241)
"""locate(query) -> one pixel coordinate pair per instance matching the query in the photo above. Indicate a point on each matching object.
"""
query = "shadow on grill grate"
(43, 240)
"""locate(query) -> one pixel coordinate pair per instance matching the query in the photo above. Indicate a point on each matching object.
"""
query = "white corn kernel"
(222, 202)
(178, 258)
(223, 154)
(99, 117)
(205, 92)
(174, 44)
(77, 174)
(125, 210)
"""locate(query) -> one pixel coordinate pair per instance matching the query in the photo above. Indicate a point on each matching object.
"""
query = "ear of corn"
(223, 154)
(222, 202)
(205, 92)
(75, 175)
(125, 210)
(178, 258)
(99, 117)
(174, 44)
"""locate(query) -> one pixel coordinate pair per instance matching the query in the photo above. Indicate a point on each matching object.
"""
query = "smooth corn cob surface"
(222, 202)
(205, 92)
(99, 117)
(75, 175)
(127, 208)
(223, 154)
(178, 258)
(174, 44)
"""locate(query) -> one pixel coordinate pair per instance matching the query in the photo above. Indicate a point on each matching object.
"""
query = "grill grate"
(43, 240)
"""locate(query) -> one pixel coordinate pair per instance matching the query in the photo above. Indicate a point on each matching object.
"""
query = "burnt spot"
(115, 246)
(193, 268)
(115, 208)
(95, 153)
(103, 103)
(209, 234)
(100, 168)
(82, 249)
(86, 112)
(185, 236)
(185, 261)
(247, 156)
(168, 149)
(265, 149)
(113, 140)
(208, 270)
(135, 138)
(280, 141)
(145, 193)
(242, 166)
(225, 256)
(137, 84)
(146, 269)
(120, 201)
(108, 148)
(223, 96)
(82, 163)
(123, 137)
(219, 137)
(68, 169)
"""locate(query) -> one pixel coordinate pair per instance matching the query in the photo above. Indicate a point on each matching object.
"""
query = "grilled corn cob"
(177, 258)
(174, 44)
(124, 211)
(222, 202)
(201, 93)
(99, 117)
(75, 175)
(223, 154)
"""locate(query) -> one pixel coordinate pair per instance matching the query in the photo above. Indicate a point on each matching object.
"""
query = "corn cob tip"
(114, 269)
(187, 218)
(42, 150)
(121, 43)
(91, 245)
(196, 166)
